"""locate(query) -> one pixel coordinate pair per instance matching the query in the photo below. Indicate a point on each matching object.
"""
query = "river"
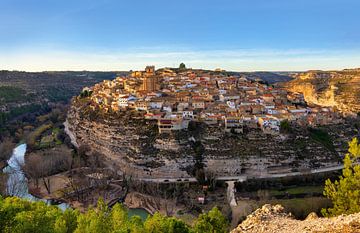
(17, 184)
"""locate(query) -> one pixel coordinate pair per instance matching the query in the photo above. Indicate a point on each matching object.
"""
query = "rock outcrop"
(269, 219)
(339, 89)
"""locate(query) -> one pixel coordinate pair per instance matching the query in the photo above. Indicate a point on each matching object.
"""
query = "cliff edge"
(270, 219)
(339, 89)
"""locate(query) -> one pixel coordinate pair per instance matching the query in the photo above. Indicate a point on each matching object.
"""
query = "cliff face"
(340, 89)
(273, 219)
(134, 146)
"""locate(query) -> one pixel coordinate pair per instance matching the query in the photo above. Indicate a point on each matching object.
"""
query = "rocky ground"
(270, 219)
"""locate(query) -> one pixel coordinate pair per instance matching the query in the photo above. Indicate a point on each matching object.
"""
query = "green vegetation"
(213, 221)
(18, 215)
(37, 133)
(322, 137)
(11, 94)
(345, 192)
(285, 126)
(59, 94)
(182, 66)
(18, 111)
(298, 190)
(85, 94)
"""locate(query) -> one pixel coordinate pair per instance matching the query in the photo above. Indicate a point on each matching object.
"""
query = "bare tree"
(78, 187)
(211, 178)
(3, 182)
(6, 148)
(41, 167)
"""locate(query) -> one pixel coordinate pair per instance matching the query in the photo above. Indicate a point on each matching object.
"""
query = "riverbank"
(151, 204)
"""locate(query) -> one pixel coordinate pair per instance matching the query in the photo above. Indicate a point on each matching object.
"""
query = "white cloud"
(237, 60)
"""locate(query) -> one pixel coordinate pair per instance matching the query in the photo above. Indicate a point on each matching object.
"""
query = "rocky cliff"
(270, 219)
(339, 89)
(133, 145)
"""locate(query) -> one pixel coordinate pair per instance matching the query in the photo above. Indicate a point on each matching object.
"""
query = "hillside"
(135, 145)
(26, 95)
(269, 77)
(339, 89)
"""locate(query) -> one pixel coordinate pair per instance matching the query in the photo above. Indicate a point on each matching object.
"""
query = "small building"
(167, 125)
(124, 100)
(234, 124)
(188, 114)
(270, 125)
(156, 104)
(198, 104)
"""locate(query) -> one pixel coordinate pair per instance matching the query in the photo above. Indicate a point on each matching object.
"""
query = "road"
(231, 193)
(243, 178)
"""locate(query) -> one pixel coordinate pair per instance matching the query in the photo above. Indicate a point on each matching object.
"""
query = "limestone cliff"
(133, 145)
(273, 219)
(339, 89)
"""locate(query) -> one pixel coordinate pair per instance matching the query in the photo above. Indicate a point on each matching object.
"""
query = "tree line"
(19, 215)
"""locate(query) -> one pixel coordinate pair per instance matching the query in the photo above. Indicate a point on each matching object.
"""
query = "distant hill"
(26, 94)
(269, 77)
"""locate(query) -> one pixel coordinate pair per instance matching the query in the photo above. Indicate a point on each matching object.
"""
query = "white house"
(123, 100)
(188, 114)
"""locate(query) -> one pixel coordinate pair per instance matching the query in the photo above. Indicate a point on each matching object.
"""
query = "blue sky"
(242, 35)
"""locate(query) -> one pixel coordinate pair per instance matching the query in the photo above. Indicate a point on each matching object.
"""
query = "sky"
(238, 35)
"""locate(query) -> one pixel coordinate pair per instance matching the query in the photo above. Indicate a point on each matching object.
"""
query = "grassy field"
(37, 133)
(298, 190)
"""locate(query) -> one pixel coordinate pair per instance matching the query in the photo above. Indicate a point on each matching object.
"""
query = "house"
(124, 100)
(153, 116)
(268, 98)
(188, 114)
(167, 107)
(229, 97)
(257, 109)
(234, 124)
(182, 105)
(115, 106)
(269, 125)
(198, 104)
(141, 105)
(156, 104)
(167, 125)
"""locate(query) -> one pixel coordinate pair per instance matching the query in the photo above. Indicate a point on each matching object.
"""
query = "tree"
(182, 66)
(285, 126)
(345, 192)
(119, 217)
(95, 220)
(211, 222)
(159, 223)
(6, 148)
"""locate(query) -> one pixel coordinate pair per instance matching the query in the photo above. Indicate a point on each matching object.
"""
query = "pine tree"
(211, 222)
(345, 192)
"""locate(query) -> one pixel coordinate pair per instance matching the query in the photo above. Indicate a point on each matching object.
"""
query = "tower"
(150, 80)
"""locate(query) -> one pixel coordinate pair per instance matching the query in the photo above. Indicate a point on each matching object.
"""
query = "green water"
(140, 212)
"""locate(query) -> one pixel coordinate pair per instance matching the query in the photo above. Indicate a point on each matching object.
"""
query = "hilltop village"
(214, 98)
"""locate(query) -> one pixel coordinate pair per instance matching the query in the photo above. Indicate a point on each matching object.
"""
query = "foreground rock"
(274, 219)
